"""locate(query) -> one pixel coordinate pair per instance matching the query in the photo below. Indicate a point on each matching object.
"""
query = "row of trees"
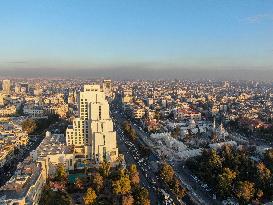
(126, 187)
(129, 130)
(233, 172)
(167, 174)
(265, 133)
(36, 126)
(60, 196)
(113, 186)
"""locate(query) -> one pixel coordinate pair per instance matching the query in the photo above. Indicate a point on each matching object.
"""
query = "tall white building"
(92, 133)
(6, 86)
(107, 88)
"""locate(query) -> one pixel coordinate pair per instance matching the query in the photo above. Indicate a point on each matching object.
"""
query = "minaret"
(214, 124)
(214, 134)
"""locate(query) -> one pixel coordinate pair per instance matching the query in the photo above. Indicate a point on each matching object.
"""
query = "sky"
(136, 34)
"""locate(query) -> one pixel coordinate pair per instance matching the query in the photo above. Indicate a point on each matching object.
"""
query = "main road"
(197, 194)
(132, 155)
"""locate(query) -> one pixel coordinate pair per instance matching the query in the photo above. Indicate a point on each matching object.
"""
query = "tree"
(121, 186)
(259, 194)
(178, 189)
(263, 174)
(134, 175)
(50, 197)
(105, 169)
(228, 154)
(133, 134)
(268, 157)
(133, 168)
(90, 197)
(125, 184)
(157, 115)
(61, 174)
(141, 196)
(176, 132)
(214, 161)
(97, 181)
(85, 162)
(29, 126)
(127, 200)
(116, 187)
(225, 180)
(167, 173)
(245, 191)
(126, 126)
(129, 130)
(135, 178)
(79, 183)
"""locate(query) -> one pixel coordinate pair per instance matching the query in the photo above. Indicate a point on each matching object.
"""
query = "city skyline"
(146, 35)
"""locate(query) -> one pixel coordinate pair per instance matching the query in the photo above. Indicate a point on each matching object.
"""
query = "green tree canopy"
(167, 173)
(104, 169)
(79, 184)
(127, 200)
(245, 191)
(141, 196)
(61, 174)
(224, 181)
(214, 160)
(29, 126)
(133, 168)
(90, 196)
(97, 181)
(178, 189)
(263, 174)
(122, 186)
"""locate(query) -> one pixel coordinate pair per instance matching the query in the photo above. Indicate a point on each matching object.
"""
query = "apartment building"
(92, 133)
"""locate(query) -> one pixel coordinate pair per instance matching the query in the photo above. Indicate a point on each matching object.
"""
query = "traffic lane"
(186, 177)
(8, 170)
(130, 160)
(152, 176)
(142, 134)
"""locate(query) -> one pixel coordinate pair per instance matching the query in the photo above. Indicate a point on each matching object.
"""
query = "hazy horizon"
(142, 73)
(146, 35)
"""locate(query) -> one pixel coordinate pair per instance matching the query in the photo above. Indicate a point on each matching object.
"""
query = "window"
(104, 152)
(99, 112)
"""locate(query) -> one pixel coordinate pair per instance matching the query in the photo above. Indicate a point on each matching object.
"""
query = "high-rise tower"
(93, 130)
(6, 86)
(107, 88)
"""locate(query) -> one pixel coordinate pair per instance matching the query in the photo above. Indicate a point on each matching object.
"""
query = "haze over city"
(47, 38)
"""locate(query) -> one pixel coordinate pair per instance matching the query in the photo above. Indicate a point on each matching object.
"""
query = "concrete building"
(107, 88)
(26, 185)
(6, 86)
(92, 133)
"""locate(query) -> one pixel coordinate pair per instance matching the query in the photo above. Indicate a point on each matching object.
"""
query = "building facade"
(6, 86)
(92, 133)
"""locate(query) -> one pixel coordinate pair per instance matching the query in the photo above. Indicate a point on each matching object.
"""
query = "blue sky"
(128, 33)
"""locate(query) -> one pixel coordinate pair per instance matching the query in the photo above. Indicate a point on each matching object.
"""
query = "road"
(10, 167)
(130, 159)
(144, 163)
(196, 194)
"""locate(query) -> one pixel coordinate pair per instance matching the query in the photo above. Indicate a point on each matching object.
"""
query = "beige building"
(8, 110)
(6, 86)
(92, 133)
(107, 88)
